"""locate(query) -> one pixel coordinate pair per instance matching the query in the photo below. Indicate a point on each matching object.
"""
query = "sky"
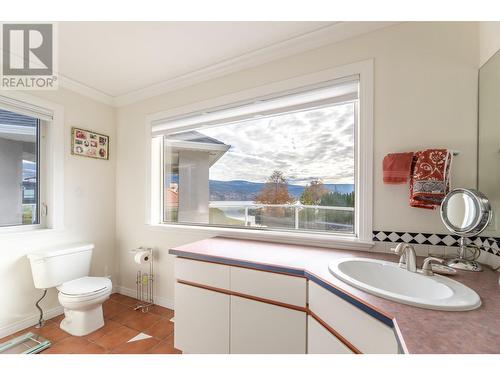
(314, 144)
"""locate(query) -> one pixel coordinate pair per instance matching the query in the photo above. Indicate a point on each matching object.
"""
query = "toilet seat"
(85, 287)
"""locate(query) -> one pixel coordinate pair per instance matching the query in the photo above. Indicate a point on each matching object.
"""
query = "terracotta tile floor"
(121, 324)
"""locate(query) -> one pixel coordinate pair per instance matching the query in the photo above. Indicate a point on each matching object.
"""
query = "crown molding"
(85, 90)
(81, 88)
(333, 33)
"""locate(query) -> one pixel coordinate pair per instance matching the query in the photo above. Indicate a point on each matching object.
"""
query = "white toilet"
(67, 268)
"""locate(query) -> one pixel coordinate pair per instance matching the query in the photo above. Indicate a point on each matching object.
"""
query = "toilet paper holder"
(144, 281)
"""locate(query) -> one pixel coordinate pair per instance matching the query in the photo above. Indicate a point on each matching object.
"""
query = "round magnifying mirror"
(465, 212)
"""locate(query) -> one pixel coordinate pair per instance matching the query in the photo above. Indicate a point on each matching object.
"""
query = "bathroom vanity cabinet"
(223, 308)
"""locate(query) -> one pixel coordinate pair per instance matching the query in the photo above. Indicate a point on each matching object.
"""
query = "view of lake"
(232, 209)
(230, 203)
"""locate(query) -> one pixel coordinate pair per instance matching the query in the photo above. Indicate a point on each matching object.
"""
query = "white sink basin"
(388, 280)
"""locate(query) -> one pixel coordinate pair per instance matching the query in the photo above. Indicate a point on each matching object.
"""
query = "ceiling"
(122, 62)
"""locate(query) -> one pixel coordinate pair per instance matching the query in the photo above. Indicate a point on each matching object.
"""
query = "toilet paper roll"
(142, 257)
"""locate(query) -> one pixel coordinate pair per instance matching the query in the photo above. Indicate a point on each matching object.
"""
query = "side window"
(20, 143)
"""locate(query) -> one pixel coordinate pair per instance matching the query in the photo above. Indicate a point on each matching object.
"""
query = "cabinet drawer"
(262, 328)
(204, 273)
(362, 330)
(291, 290)
(321, 341)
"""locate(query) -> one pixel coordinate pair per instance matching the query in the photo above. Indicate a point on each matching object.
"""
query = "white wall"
(89, 212)
(425, 96)
(489, 40)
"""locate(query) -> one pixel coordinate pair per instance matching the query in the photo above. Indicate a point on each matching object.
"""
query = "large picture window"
(287, 162)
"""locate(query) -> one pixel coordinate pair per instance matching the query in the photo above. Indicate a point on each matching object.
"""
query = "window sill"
(28, 229)
(306, 239)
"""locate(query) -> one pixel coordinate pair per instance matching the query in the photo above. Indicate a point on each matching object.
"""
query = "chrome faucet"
(427, 266)
(408, 257)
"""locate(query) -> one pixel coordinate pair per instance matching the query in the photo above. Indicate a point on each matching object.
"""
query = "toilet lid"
(85, 285)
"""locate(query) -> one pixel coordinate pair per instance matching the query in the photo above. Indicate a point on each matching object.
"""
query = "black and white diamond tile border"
(489, 244)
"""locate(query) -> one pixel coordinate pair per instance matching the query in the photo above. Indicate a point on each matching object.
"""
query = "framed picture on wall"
(90, 144)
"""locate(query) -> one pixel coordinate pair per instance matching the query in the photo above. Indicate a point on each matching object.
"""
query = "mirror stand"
(466, 213)
(461, 262)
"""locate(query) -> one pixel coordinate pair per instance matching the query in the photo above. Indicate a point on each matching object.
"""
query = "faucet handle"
(427, 266)
(398, 250)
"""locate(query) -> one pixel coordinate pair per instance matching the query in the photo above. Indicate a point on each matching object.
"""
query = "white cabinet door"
(262, 328)
(363, 331)
(321, 341)
(201, 320)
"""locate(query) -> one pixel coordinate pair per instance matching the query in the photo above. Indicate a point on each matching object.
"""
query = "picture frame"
(89, 143)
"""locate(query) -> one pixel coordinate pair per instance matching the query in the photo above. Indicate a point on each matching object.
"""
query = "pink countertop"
(420, 330)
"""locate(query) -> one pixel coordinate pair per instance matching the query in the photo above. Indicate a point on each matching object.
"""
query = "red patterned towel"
(430, 179)
(397, 168)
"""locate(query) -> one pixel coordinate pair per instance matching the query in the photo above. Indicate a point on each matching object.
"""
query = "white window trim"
(364, 161)
(53, 166)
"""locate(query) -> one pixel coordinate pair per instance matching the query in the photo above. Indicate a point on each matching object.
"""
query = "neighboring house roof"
(194, 136)
(196, 141)
(12, 118)
(17, 127)
(171, 198)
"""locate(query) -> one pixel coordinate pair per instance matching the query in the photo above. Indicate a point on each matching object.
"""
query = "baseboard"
(58, 310)
(30, 321)
(160, 301)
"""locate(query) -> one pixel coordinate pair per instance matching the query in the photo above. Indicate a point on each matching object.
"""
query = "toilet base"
(81, 323)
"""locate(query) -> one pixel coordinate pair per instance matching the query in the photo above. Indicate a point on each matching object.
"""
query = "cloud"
(305, 145)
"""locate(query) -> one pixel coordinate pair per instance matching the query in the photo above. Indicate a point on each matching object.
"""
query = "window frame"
(40, 191)
(363, 162)
(50, 161)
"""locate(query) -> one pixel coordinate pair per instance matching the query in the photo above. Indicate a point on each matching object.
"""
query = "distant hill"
(241, 190)
(29, 169)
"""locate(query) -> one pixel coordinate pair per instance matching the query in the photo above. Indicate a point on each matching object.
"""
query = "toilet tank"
(54, 266)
